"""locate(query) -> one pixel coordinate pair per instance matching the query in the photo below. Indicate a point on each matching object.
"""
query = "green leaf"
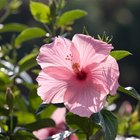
(4, 112)
(41, 108)
(34, 99)
(40, 11)
(108, 122)
(4, 78)
(23, 134)
(28, 34)
(14, 5)
(123, 124)
(130, 91)
(2, 3)
(24, 117)
(135, 129)
(28, 62)
(81, 123)
(4, 81)
(12, 27)
(70, 16)
(2, 98)
(43, 123)
(120, 54)
(47, 109)
(47, 112)
(20, 103)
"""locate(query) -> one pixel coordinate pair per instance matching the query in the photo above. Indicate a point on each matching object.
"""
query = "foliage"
(21, 110)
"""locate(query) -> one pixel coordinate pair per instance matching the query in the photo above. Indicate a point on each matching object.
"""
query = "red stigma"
(81, 75)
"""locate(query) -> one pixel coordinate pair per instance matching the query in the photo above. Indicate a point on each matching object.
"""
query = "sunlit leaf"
(15, 4)
(27, 62)
(112, 99)
(123, 124)
(43, 123)
(3, 3)
(47, 112)
(12, 27)
(108, 122)
(135, 129)
(28, 34)
(47, 109)
(24, 117)
(130, 91)
(4, 80)
(40, 11)
(119, 54)
(70, 16)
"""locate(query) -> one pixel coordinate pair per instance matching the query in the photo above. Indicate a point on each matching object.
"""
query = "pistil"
(80, 74)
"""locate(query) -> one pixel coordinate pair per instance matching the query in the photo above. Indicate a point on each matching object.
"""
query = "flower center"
(80, 74)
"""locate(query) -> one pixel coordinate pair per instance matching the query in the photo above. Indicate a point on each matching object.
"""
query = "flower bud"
(9, 98)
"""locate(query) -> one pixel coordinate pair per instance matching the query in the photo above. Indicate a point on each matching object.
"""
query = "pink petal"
(59, 115)
(55, 54)
(42, 134)
(72, 137)
(83, 100)
(106, 75)
(59, 72)
(90, 49)
(75, 55)
(50, 89)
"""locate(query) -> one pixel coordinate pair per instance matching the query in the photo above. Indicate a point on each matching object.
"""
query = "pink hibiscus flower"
(79, 73)
(59, 117)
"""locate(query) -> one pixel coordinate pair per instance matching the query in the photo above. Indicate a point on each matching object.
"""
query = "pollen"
(76, 67)
(69, 57)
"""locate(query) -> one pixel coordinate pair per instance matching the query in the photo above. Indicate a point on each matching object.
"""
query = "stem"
(10, 126)
(88, 133)
(87, 136)
(61, 31)
(48, 29)
(138, 108)
(11, 123)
